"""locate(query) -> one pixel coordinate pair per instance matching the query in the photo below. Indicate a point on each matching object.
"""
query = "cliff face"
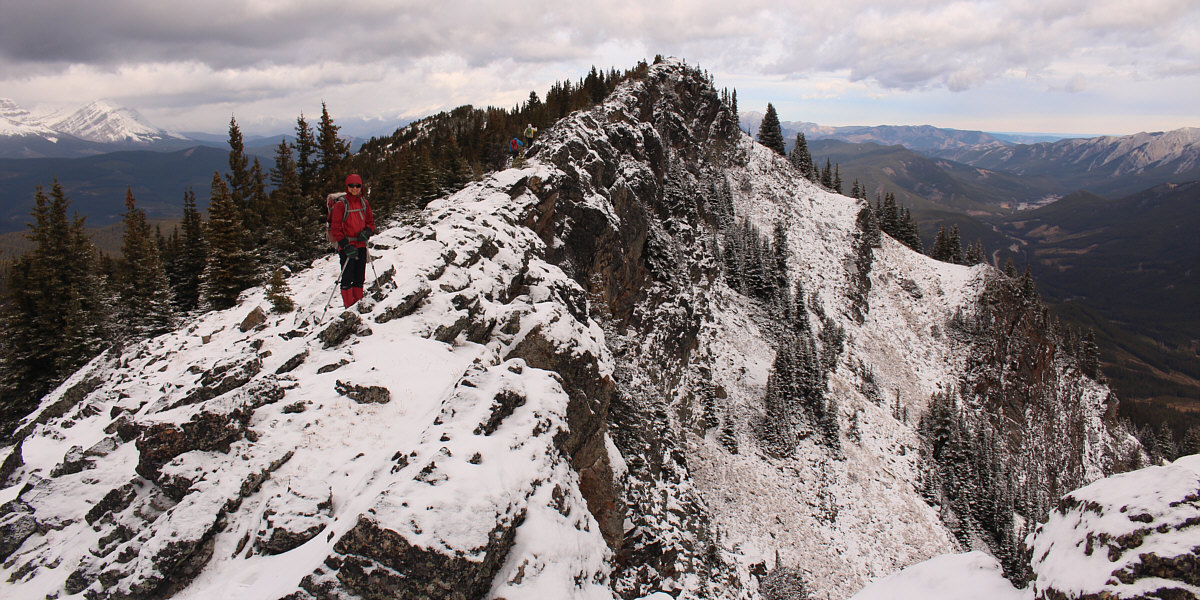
(552, 390)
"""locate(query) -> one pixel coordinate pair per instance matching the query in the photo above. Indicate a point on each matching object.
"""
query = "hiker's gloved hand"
(365, 234)
(345, 249)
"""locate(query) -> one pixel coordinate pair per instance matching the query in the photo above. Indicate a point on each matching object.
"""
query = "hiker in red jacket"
(351, 224)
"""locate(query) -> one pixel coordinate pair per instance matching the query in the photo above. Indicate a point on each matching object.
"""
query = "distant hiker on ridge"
(514, 146)
(351, 224)
(530, 133)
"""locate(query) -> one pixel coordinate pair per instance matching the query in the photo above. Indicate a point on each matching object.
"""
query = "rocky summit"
(575, 378)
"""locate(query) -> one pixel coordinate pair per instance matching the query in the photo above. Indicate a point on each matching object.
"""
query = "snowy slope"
(846, 520)
(309, 456)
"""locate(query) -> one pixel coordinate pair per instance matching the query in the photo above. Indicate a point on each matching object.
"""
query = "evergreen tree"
(954, 246)
(827, 174)
(56, 316)
(837, 180)
(769, 132)
(307, 164)
(1089, 356)
(784, 583)
(734, 108)
(294, 231)
(144, 296)
(799, 317)
(254, 217)
(779, 267)
(1028, 286)
(780, 431)
(728, 436)
(909, 231)
(279, 294)
(802, 158)
(239, 178)
(229, 268)
(941, 245)
(1165, 444)
(191, 256)
(333, 152)
(976, 254)
(1191, 442)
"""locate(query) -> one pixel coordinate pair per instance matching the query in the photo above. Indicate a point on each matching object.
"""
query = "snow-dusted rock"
(1131, 536)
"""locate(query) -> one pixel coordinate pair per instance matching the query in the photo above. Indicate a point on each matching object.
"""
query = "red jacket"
(348, 217)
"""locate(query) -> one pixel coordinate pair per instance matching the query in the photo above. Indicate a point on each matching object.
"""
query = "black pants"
(355, 272)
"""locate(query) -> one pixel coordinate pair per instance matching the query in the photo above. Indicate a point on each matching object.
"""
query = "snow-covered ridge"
(419, 420)
(105, 123)
(524, 407)
(16, 121)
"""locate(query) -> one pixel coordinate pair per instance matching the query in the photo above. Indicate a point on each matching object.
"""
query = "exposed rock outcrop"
(1134, 536)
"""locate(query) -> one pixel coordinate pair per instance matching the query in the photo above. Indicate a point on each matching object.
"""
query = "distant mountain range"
(100, 127)
(96, 128)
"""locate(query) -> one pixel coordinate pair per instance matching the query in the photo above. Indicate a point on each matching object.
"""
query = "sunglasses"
(354, 185)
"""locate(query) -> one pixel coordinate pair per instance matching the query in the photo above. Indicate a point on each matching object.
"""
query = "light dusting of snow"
(452, 488)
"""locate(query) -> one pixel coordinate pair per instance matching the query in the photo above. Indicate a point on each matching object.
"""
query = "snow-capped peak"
(103, 122)
(16, 121)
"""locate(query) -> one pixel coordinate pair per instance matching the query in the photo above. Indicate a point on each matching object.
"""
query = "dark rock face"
(371, 394)
(413, 572)
(161, 442)
(224, 377)
(293, 518)
(340, 330)
(16, 524)
(69, 399)
(659, 161)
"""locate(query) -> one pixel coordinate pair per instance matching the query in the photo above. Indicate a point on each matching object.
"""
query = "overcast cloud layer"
(1099, 66)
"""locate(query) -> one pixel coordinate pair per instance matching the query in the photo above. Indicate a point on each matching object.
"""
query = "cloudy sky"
(1063, 66)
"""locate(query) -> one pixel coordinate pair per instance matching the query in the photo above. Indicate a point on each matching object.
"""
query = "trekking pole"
(336, 284)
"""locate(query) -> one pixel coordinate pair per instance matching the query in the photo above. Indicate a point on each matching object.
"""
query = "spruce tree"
(780, 432)
(56, 316)
(279, 294)
(144, 296)
(734, 108)
(976, 254)
(254, 217)
(954, 246)
(910, 232)
(294, 230)
(1191, 441)
(827, 174)
(769, 132)
(333, 152)
(802, 158)
(192, 254)
(307, 164)
(239, 178)
(229, 269)
(941, 245)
